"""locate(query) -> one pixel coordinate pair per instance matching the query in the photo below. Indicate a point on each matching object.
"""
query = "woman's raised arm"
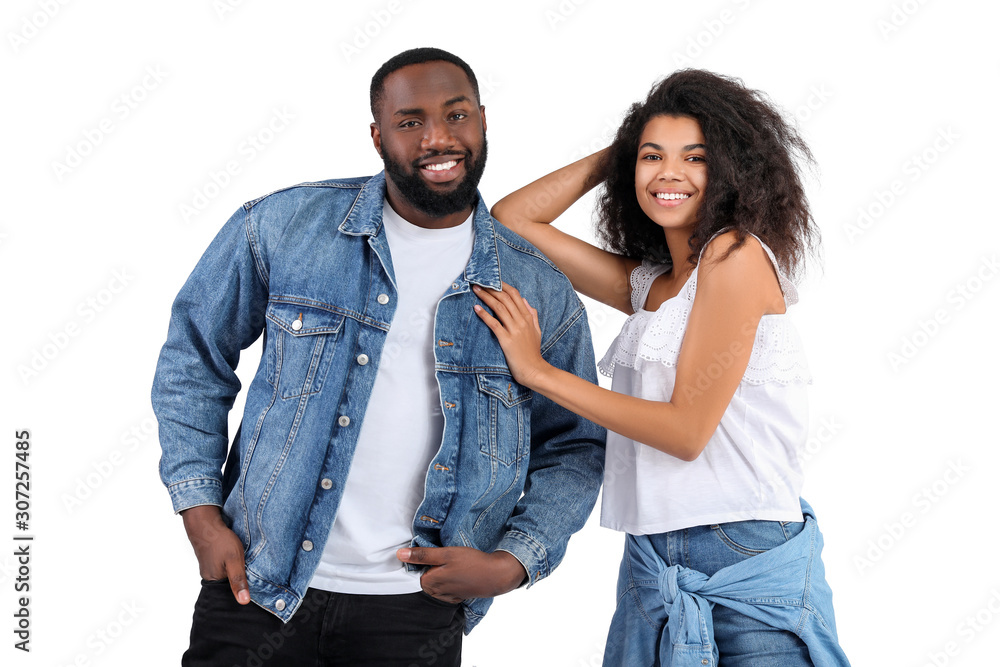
(597, 273)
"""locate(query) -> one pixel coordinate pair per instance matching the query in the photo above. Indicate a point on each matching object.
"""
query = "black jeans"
(328, 630)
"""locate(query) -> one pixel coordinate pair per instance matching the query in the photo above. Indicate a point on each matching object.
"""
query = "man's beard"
(436, 204)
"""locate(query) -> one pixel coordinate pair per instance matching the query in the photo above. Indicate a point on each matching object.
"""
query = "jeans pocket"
(751, 538)
(427, 597)
(299, 346)
(503, 410)
(215, 582)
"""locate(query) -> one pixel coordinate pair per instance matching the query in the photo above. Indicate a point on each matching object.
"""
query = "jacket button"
(279, 605)
(454, 285)
(296, 325)
(307, 545)
(344, 420)
(327, 484)
(362, 359)
(382, 298)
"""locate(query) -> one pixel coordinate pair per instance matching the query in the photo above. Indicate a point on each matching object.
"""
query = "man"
(382, 416)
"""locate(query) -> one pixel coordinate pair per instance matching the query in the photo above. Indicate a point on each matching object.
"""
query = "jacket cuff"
(529, 552)
(194, 492)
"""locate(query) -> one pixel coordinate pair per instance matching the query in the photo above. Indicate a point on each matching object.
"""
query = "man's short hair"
(414, 57)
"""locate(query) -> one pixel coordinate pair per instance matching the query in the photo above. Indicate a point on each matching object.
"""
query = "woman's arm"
(599, 274)
(732, 296)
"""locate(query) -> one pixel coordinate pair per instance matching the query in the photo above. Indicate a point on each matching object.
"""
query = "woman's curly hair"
(753, 175)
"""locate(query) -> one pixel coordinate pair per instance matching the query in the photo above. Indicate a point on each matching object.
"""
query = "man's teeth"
(671, 195)
(441, 167)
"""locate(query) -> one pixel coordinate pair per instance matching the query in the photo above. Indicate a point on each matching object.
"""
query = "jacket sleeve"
(218, 312)
(566, 463)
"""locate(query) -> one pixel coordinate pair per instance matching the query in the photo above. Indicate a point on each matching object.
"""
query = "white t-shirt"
(750, 467)
(403, 424)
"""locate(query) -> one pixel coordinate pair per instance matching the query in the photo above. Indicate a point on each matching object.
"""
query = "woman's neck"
(680, 250)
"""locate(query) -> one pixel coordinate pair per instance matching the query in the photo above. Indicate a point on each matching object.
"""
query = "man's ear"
(482, 114)
(377, 139)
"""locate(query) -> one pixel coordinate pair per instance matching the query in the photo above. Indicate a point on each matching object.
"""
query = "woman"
(704, 216)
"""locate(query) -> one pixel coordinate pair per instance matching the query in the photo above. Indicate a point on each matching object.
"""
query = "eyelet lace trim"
(642, 277)
(656, 337)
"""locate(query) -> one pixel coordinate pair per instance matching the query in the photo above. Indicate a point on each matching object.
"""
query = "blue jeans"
(639, 621)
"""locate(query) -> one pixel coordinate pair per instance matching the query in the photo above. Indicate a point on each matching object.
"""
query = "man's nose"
(437, 136)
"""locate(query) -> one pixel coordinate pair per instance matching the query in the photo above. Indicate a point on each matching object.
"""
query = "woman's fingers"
(503, 306)
(511, 312)
(534, 314)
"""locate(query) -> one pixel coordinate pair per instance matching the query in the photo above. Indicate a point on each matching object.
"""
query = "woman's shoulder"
(748, 266)
(725, 248)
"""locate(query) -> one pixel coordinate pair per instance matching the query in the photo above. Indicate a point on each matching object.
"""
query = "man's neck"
(415, 216)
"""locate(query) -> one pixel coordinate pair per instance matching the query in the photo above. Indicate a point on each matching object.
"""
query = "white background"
(92, 253)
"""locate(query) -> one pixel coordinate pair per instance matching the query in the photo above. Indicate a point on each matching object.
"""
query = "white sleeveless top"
(750, 467)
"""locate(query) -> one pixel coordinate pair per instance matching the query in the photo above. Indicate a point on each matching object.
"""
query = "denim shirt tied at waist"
(309, 268)
(784, 587)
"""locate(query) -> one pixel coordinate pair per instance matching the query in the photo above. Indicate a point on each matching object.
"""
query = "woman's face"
(670, 171)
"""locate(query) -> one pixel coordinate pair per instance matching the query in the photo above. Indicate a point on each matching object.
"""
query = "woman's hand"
(595, 272)
(515, 324)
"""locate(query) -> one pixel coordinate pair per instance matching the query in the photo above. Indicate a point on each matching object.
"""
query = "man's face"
(432, 138)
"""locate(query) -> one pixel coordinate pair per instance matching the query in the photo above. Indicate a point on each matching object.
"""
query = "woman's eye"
(697, 158)
(651, 156)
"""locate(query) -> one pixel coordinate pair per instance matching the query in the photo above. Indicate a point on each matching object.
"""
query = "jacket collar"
(365, 218)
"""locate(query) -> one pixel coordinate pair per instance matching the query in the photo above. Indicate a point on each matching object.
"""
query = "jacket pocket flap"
(301, 320)
(504, 388)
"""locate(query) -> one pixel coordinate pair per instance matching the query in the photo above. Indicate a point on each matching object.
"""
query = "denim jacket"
(309, 267)
(784, 587)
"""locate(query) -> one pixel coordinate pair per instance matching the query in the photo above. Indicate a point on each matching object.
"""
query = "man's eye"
(409, 123)
(459, 116)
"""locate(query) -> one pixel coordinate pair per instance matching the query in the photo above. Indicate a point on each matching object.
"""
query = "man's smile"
(442, 169)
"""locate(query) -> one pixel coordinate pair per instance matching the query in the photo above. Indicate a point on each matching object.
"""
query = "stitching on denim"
(322, 305)
(564, 327)
(312, 184)
(633, 588)
(536, 548)
(254, 551)
(279, 464)
(531, 252)
(255, 254)
(734, 545)
(813, 535)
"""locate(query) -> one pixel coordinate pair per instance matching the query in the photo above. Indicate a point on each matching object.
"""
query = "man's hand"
(219, 550)
(459, 573)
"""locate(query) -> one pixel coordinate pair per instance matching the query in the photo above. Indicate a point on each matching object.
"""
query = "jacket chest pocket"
(300, 346)
(504, 424)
